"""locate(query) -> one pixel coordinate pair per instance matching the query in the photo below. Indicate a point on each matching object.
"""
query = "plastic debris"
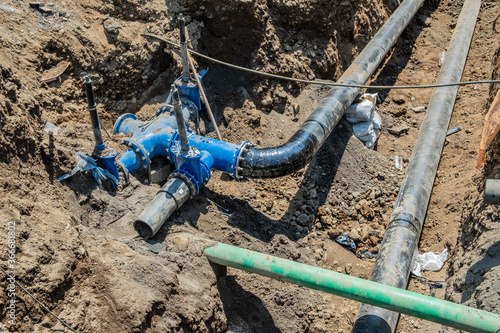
(360, 112)
(441, 58)
(347, 242)
(87, 163)
(398, 162)
(51, 128)
(366, 121)
(430, 261)
(454, 130)
(368, 254)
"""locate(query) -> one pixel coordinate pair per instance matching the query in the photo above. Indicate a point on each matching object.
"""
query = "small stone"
(313, 193)
(399, 99)
(267, 101)
(397, 111)
(399, 129)
(418, 109)
(355, 234)
(110, 26)
(302, 219)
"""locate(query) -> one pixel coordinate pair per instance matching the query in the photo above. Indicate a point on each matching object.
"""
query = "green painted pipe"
(391, 298)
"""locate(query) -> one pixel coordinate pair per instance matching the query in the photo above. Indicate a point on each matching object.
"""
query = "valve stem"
(94, 117)
(181, 126)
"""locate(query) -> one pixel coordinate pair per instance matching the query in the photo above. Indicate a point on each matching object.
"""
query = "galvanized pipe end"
(170, 197)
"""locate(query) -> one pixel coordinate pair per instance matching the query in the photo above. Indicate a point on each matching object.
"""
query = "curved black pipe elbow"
(281, 160)
(300, 149)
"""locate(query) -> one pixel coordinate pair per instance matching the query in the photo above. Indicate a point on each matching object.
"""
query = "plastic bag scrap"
(430, 261)
(366, 121)
(347, 242)
(86, 163)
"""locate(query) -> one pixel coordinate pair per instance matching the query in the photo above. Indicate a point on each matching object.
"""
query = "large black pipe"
(301, 147)
(398, 247)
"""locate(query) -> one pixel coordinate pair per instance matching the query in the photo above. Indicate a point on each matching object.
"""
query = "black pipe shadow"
(243, 308)
(260, 226)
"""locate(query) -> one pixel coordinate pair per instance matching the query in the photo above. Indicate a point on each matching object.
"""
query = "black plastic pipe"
(94, 117)
(301, 147)
(395, 259)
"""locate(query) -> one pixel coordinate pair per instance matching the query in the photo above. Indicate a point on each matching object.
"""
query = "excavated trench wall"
(101, 284)
(475, 275)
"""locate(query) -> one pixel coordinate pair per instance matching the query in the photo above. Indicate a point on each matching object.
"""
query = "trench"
(344, 189)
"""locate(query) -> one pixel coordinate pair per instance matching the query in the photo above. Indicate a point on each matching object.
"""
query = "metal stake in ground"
(209, 109)
(94, 118)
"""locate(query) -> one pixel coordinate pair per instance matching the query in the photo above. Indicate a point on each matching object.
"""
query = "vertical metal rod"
(209, 109)
(94, 117)
(181, 126)
(184, 51)
(398, 247)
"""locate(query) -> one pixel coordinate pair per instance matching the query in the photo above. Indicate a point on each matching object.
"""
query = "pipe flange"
(190, 181)
(142, 153)
(119, 121)
(245, 145)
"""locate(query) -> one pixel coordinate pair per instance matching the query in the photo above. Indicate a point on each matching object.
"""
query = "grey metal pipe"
(303, 145)
(181, 125)
(94, 117)
(398, 247)
(492, 192)
(171, 196)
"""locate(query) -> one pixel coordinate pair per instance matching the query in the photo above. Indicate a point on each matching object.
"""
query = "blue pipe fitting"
(190, 89)
(108, 158)
(118, 124)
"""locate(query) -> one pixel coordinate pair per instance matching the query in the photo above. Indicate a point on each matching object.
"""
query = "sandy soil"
(76, 250)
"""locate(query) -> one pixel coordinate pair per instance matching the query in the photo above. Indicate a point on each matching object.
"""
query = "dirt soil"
(76, 250)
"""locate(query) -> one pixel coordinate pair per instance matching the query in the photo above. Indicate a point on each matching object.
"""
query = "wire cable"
(43, 306)
(333, 84)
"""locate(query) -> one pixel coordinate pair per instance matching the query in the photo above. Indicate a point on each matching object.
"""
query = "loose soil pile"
(76, 250)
